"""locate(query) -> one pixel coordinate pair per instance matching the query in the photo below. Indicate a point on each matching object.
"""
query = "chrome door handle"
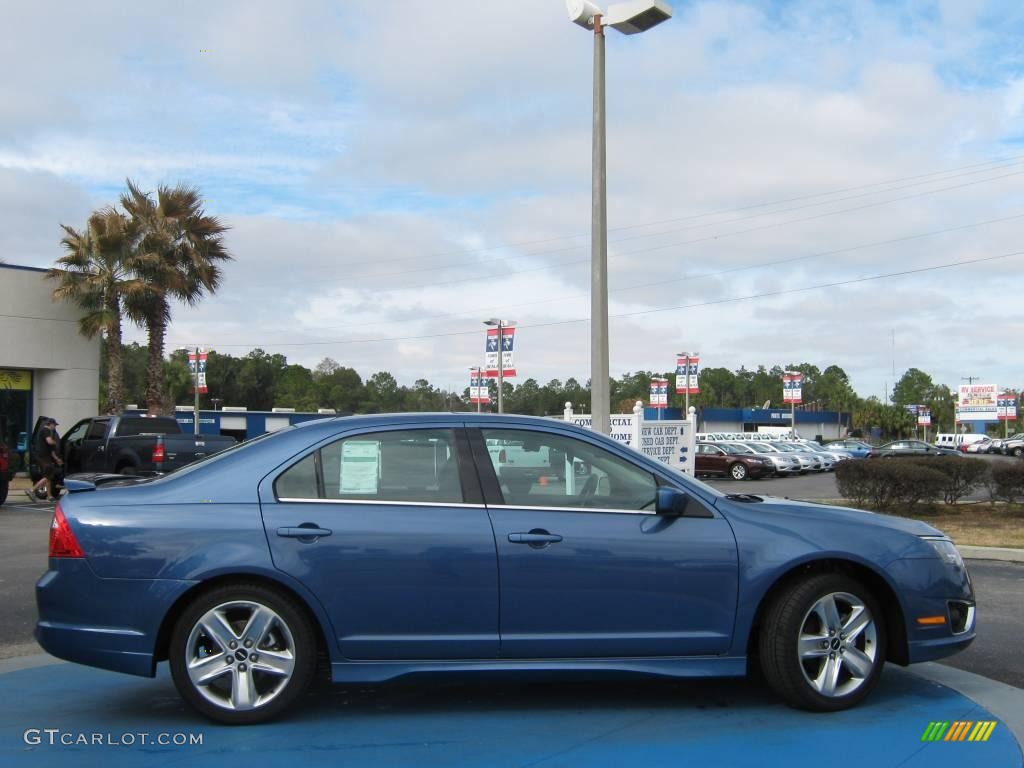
(534, 538)
(303, 532)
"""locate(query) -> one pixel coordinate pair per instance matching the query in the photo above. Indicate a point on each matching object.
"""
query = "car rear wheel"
(822, 643)
(1018, 451)
(242, 654)
(738, 471)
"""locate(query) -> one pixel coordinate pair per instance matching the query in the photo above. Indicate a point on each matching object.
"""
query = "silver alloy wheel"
(838, 645)
(738, 472)
(240, 655)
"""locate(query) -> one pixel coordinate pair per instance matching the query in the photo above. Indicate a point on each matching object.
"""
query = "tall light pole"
(628, 18)
(478, 375)
(501, 325)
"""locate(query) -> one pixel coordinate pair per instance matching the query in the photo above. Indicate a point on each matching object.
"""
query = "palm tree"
(178, 258)
(96, 272)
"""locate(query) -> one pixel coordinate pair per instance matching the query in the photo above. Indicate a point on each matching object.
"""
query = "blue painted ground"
(496, 723)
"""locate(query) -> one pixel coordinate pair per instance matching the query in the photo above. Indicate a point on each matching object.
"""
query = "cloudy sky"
(395, 172)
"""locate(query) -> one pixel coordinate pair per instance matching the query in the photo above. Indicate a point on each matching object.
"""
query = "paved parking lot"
(495, 723)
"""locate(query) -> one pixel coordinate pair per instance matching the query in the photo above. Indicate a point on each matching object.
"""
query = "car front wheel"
(738, 471)
(242, 654)
(822, 643)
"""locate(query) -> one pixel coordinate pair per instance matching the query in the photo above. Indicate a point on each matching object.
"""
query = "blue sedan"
(392, 545)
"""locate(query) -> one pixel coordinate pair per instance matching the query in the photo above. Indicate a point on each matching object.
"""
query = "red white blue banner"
(792, 388)
(1007, 406)
(197, 367)
(479, 391)
(687, 369)
(659, 393)
(924, 416)
(491, 352)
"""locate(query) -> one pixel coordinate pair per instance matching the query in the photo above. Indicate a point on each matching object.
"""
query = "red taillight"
(62, 539)
(158, 453)
(502, 456)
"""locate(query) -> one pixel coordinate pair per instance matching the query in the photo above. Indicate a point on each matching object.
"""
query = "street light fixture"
(628, 18)
(501, 325)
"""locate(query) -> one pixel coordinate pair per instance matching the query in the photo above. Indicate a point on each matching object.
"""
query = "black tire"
(1018, 451)
(783, 622)
(4, 485)
(296, 623)
(126, 469)
(738, 471)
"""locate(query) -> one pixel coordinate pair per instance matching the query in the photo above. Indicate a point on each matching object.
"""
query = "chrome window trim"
(378, 502)
(574, 509)
(382, 502)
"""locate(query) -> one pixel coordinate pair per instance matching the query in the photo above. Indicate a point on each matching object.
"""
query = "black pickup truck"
(132, 445)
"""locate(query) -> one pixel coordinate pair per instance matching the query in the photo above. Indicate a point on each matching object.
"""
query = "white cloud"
(372, 164)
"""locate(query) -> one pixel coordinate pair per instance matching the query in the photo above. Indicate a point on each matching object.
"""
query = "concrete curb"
(1006, 554)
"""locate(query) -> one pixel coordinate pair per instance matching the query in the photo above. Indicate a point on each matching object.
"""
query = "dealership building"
(47, 368)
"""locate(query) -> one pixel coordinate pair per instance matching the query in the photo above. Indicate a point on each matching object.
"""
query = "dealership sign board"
(978, 402)
(673, 442)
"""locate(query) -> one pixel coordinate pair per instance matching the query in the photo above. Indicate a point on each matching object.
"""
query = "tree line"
(261, 381)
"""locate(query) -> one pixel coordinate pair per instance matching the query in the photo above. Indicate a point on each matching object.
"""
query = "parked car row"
(756, 459)
(1007, 446)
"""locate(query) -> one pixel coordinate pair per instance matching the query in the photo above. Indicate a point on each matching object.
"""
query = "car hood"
(826, 512)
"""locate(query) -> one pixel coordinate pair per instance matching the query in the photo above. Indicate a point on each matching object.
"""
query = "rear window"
(130, 426)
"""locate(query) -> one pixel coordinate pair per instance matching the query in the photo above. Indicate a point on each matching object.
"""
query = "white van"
(954, 440)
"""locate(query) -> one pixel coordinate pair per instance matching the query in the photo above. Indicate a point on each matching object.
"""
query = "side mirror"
(671, 502)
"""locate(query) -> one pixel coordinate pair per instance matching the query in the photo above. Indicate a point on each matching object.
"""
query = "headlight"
(946, 550)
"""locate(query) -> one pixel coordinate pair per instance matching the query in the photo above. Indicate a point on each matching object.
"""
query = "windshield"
(737, 448)
(784, 448)
(761, 448)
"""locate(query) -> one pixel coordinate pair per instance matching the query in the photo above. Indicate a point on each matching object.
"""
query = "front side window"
(540, 469)
(417, 465)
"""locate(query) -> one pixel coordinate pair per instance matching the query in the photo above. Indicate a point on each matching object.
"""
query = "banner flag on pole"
(491, 352)
(479, 391)
(686, 375)
(924, 416)
(1007, 403)
(659, 393)
(197, 367)
(792, 388)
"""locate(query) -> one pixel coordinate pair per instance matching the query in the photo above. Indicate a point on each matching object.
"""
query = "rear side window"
(402, 466)
(131, 426)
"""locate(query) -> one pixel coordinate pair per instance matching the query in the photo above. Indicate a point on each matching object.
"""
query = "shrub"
(889, 483)
(963, 475)
(1007, 482)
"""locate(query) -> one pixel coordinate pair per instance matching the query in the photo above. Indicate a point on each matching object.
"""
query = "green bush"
(887, 484)
(963, 475)
(1007, 482)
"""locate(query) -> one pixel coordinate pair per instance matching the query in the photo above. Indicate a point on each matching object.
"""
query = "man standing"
(47, 457)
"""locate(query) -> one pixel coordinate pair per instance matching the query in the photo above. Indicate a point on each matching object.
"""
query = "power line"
(523, 243)
(699, 276)
(707, 238)
(735, 220)
(713, 302)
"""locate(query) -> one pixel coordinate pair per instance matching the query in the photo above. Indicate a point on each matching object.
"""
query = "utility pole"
(195, 388)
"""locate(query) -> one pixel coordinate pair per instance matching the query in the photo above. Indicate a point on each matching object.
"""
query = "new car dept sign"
(671, 441)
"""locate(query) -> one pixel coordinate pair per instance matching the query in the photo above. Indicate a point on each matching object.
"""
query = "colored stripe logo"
(959, 730)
